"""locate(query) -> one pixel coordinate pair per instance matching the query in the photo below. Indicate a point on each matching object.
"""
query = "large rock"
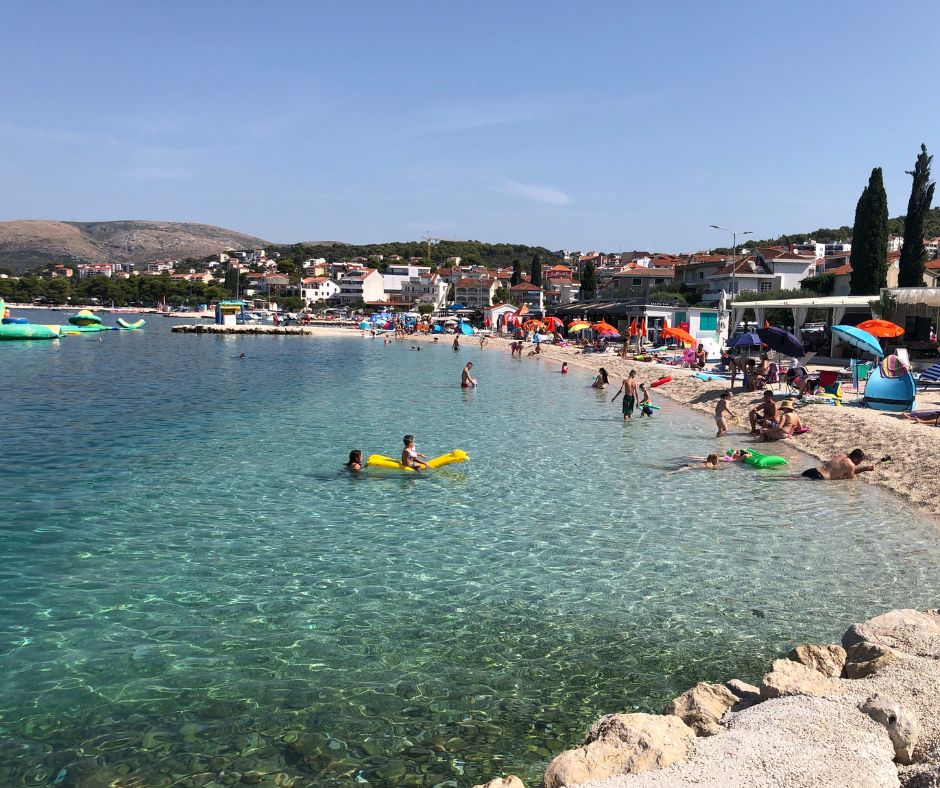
(747, 694)
(907, 631)
(702, 707)
(503, 782)
(900, 723)
(620, 744)
(792, 678)
(923, 774)
(864, 659)
(828, 660)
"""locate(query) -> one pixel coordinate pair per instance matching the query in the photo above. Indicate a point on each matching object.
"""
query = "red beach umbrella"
(633, 329)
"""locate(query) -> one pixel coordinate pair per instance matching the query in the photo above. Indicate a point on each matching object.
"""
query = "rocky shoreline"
(863, 713)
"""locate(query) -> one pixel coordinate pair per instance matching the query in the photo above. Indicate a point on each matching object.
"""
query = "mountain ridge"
(30, 243)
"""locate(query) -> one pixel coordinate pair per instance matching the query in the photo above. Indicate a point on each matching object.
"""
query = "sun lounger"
(929, 377)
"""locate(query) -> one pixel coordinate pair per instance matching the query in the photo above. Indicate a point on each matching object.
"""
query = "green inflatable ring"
(758, 460)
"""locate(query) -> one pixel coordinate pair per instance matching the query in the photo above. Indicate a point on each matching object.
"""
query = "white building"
(365, 285)
(766, 269)
(317, 289)
(475, 293)
(425, 289)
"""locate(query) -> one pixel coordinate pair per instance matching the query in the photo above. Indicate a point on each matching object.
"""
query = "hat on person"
(787, 404)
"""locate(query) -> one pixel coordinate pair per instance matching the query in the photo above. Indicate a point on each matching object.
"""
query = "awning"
(928, 296)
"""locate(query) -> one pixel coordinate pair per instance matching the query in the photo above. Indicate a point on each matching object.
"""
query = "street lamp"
(734, 248)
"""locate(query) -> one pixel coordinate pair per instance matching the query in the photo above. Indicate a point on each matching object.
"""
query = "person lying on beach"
(628, 389)
(789, 423)
(355, 461)
(925, 417)
(465, 380)
(722, 413)
(410, 456)
(842, 466)
(601, 381)
(766, 413)
(646, 403)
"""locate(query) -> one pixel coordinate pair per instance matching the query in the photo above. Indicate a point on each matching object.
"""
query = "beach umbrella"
(782, 341)
(678, 333)
(604, 328)
(522, 310)
(858, 338)
(633, 329)
(577, 325)
(744, 340)
(551, 323)
(643, 328)
(883, 329)
(364, 325)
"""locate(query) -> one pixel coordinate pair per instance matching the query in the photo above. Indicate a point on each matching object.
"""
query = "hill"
(835, 234)
(34, 243)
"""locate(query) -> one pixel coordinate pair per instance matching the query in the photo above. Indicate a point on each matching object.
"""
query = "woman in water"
(564, 367)
(355, 460)
(601, 381)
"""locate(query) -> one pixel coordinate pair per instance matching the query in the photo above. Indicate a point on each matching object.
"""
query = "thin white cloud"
(531, 191)
(465, 117)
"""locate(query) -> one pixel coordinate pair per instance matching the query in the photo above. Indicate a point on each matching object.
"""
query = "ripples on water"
(192, 592)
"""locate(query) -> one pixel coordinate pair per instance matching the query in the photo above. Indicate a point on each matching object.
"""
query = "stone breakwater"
(864, 713)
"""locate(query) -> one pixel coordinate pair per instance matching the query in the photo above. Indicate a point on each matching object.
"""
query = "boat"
(893, 394)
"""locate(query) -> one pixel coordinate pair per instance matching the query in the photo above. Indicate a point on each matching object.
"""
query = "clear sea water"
(193, 591)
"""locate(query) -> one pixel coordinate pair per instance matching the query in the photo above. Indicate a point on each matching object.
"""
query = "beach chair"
(929, 377)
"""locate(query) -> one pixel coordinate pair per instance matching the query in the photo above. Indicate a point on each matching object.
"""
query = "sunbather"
(925, 417)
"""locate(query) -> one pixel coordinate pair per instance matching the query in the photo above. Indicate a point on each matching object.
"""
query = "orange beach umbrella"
(883, 329)
(678, 333)
(604, 328)
(551, 323)
(633, 329)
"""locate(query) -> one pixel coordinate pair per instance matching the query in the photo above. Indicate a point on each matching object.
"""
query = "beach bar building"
(701, 322)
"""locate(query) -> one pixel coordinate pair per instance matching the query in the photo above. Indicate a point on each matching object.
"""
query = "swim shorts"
(813, 473)
(628, 404)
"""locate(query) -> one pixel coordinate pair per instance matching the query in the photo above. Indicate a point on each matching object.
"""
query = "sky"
(573, 125)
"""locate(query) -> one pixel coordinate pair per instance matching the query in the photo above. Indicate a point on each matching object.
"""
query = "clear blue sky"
(578, 125)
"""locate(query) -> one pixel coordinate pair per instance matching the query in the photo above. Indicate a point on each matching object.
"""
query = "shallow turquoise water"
(192, 591)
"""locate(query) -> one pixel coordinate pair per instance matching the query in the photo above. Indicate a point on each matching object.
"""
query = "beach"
(914, 448)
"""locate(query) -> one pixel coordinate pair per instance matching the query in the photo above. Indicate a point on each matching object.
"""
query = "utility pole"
(734, 249)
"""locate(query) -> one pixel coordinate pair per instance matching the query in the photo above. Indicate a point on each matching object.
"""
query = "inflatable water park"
(85, 322)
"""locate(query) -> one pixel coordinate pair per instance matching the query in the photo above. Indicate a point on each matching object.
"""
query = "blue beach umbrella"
(862, 340)
(782, 341)
(365, 325)
(744, 340)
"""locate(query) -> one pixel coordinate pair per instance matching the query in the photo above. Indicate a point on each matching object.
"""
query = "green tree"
(501, 295)
(535, 273)
(425, 309)
(516, 277)
(870, 238)
(821, 284)
(589, 281)
(913, 254)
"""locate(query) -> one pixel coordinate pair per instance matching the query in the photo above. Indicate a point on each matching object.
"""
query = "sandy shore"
(915, 448)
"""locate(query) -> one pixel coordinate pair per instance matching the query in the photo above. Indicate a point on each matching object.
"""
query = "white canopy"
(928, 296)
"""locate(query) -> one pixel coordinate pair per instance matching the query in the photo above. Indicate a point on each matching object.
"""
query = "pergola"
(799, 307)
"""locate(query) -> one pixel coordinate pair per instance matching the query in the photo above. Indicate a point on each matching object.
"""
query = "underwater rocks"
(865, 713)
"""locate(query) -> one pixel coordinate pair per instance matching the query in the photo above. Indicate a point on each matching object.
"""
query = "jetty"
(212, 328)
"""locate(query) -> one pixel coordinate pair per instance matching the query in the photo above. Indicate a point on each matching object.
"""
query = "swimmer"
(242, 356)
(710, 464)
(564, 367)
(457, 342)
(723, 413)
(355, 461)
(602, 379)
(645, 404)
(465, 380)
(410, 456)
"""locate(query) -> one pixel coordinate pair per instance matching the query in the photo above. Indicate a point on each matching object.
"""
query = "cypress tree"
(516, 277)
(913, 254)
(535, 273)
(588, 280)
(870, 238)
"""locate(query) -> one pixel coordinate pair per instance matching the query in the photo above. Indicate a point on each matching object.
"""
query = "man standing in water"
(465, 380)
(628, 389)
(456, 341)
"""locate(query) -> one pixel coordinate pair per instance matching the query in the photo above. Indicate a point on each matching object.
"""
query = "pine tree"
(535, 273)
(516, 277)
(913, 254)
(588, 281)
(870, 238)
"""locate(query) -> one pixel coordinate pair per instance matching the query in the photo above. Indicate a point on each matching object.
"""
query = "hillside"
(844, 233)
(33, 243)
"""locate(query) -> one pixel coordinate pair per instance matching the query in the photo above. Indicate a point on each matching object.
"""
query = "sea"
(194, 592)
